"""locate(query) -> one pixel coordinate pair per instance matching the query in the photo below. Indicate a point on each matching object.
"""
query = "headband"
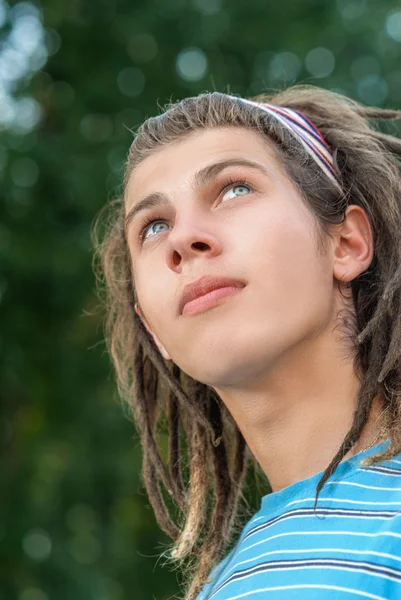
(304, 131)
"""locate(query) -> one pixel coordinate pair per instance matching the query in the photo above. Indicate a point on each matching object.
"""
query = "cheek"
(152, 291)
(286, 265)
(281, 235)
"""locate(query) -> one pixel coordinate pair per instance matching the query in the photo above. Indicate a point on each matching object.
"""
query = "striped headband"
(305, 131)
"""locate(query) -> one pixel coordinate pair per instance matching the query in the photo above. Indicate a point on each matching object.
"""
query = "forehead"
(174, 165)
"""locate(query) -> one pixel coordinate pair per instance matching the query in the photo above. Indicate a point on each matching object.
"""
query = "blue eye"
(148, 226)
(238, 189)
(242, 189)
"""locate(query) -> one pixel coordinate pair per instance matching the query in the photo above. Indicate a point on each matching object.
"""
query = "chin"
(216, 374)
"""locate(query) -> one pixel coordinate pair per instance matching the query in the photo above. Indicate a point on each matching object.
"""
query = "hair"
(195, 481)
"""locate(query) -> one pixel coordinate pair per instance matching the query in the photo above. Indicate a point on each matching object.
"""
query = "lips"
(204, 285)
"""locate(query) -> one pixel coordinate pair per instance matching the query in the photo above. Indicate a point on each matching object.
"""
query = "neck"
(295, 417)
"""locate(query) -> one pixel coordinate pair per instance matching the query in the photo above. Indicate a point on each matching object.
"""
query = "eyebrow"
(201, 178)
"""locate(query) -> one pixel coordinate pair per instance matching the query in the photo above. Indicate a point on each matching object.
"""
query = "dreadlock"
(205, 491)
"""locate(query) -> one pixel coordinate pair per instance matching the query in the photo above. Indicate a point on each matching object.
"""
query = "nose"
(189, 240)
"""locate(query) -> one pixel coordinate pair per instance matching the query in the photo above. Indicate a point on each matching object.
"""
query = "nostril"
(200, 246)
(176, 258)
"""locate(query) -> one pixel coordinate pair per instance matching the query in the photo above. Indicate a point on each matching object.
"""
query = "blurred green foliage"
(75, 79)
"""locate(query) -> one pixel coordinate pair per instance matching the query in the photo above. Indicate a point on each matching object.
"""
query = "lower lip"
(209, 300)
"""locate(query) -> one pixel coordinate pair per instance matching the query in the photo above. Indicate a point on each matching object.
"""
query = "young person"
(253, 269)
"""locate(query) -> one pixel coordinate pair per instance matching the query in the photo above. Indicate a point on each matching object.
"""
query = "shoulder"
(381, 482)
(371, 494)
(375, 485)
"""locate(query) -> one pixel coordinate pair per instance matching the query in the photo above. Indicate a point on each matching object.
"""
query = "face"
(227, 210)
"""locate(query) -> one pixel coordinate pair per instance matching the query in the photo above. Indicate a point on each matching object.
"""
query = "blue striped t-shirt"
(350, 548)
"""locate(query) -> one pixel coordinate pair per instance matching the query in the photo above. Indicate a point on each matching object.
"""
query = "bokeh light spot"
(351, 9)
(372, 89)
(53, 41)
(26, 34)
(22, 9)
(27, 115)
(37, 544)
(207, 7)
(32, 594)
(191, 64)
(7, 111)
(13, 64)
(285, 66)
(393, 26)
(39, 57)
(320, 62)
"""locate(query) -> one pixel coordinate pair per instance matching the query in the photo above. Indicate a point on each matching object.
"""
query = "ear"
(354, 249)
(160, 346)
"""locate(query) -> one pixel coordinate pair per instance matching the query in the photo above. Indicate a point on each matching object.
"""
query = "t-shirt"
(349, 548)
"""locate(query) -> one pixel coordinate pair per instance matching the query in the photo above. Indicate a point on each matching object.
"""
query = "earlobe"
(160, 346)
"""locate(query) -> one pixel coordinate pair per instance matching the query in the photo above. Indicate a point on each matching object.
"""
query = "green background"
(75, 78)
